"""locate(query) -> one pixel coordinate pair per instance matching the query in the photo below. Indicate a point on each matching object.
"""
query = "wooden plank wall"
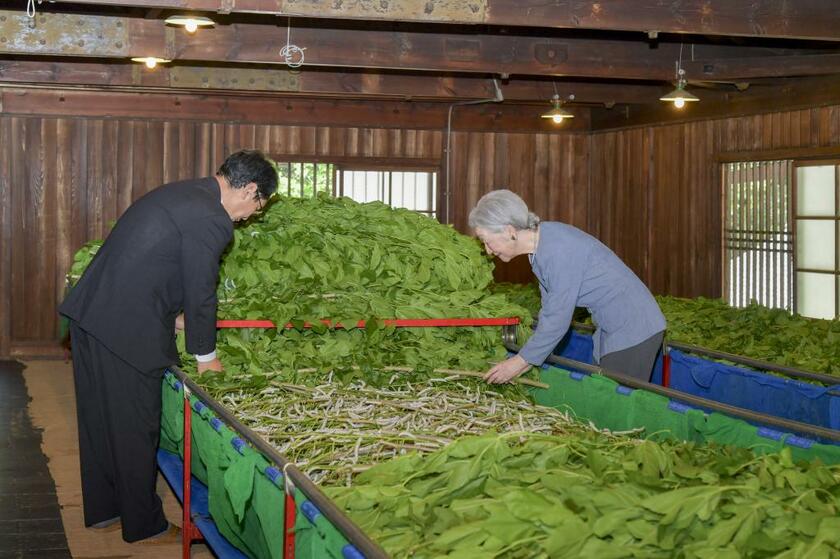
(63, 181)
(656, 190)
(549, 171)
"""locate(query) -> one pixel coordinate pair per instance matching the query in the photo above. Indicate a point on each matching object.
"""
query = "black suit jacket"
(161, 258)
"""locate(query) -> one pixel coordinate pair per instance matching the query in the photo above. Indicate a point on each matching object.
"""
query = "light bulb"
(679, 102)
(150, 63)
(191, 26)
(557, 119)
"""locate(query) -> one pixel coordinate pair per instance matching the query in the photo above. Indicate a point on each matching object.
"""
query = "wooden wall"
(64, 180)
(651, 193)
(549, 171)
(656, 190)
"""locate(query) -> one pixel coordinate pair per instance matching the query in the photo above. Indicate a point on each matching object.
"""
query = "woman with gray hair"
(574, 269)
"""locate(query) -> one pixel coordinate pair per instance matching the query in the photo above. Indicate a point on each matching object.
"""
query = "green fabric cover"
(595, 398)
(318, 540)
(246, 506)
(268, 501)
(172, 416)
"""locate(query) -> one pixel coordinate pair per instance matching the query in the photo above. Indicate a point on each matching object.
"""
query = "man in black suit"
(160, 260)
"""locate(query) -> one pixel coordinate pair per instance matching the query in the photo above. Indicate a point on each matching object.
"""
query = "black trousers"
(118, 409)
(636, 361)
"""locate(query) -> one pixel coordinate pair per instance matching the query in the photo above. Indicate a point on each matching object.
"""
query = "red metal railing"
(397, 322)
(189, 532)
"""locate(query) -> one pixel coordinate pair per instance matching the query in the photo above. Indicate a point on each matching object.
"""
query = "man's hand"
(507, 370)
(179, 323)
(214, 365)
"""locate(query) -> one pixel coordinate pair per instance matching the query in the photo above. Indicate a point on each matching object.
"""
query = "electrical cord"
(499, 97)
(292, 54)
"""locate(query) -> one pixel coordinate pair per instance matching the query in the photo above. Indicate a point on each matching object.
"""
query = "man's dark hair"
(247, 166)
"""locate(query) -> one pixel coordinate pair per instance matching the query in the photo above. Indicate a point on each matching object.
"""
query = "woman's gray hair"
(500, 208)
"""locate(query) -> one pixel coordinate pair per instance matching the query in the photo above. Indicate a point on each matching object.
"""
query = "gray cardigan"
(575, 269)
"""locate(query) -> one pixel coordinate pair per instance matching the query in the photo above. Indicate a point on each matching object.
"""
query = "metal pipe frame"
(741, 413)
(347, 527)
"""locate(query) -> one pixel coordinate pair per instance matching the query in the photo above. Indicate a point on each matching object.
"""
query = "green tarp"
(602, 401)
(245, 504)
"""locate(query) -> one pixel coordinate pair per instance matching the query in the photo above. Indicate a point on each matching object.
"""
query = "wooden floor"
(30, 518)
(52, 412)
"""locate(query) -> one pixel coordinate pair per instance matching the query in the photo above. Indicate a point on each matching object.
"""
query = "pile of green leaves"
(524, 295)
(589, 495)
(323, 257)
(770, 334)
(758, 332)
(316, 258)
(81, 260)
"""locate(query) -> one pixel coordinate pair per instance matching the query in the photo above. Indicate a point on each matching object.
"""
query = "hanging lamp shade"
(679, 96)
(150, 61)
(558, 113)
(190, 23)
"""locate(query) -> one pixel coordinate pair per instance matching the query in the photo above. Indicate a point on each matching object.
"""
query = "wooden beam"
(313, 82)
(435, 52)
(407, 163)
(290, 111)
(121, 37)
(787, 95)
(810, 152)
(764, 67)
(803, 19)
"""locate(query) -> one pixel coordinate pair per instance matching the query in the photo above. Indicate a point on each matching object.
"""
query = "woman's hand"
(179, 323)
(507, 370)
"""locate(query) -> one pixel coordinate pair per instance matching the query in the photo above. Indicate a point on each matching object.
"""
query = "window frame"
(433, 180)
(376, 164)
(798, 157)
(756, 261)
(301, 163)
(795, 217)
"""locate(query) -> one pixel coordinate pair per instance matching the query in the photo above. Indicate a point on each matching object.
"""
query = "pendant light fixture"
(151, 62)
(679, 97)
(190, 23)
(558, 114)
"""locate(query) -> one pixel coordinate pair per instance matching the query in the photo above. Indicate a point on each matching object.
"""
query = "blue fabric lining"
(754, 390)
(738, 386)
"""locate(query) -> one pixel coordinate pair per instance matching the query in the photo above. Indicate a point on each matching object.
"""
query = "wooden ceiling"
(616, 57)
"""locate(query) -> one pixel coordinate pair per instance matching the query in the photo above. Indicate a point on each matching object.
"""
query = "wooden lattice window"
(410, 189)
(757, 234)
(304, 180)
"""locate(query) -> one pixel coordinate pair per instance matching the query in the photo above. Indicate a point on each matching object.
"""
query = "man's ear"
(250, 189)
